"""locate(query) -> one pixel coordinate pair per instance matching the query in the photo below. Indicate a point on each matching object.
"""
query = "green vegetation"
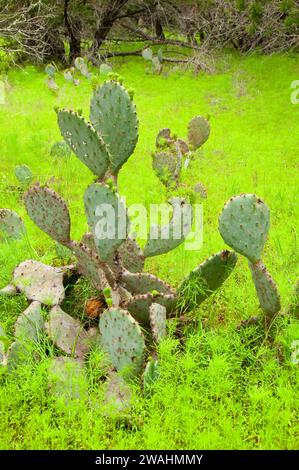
(219, 386)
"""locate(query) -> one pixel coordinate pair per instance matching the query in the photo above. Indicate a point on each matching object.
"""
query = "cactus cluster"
(172, 154)
(156, 60)
(135, 300)
(244, 225)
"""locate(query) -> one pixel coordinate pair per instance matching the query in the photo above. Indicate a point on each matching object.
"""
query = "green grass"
(221, 388)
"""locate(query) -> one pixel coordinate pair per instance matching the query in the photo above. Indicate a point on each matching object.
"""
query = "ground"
(219, 388)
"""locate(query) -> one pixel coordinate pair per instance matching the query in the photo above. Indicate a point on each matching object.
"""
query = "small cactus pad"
(244, 224)
(166, 238)
(182, 146)
(67, 380)
(157, 314)
(139, 305)
(206, 279)
(198, 131)
(113, 115)
(30, 323)
(122, 339)
(117, 396)
(107, 219)
(88, 265)
(8, 291)
(20, 353)
(266, 289)
(23, 174)
(131, 256)
(40, 282)
(167, 166)
(11, 225)
(67, 333)
(164, 138)
(142, 283)
(84, 141)
(49, 212)
(147, 54)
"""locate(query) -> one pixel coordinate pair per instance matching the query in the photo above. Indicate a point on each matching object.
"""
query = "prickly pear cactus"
(11, 225)
(49, 212)
(123, 339)
(205, 279)
(198, 131)
(113, 115)
(244, 225)
(23, 174)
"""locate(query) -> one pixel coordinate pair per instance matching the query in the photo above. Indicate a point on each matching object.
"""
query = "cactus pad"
(67, 333)
(122, 339)
(8, 291)
(11, 225)
(67, 380)
(167, 166)
(84, 141)
(139, 305)
(23, 174)
(173, 234)
(244, 225)
(107, 218)
(198, 131)
(142, 283)
(164, 138)
(157, 314)
(114, 116)
(30, 323)
(205, 279)
(40, 282)
(266, 289)
(88, 265)
(49, 212)
(117, 396)
(131, 256)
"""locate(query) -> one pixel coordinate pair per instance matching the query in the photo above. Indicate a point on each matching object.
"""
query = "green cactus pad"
(122, 339)
(30, 323)
(99, 197)
(11, 225)
(131, 256)
(88, 265)
(167, 166)
(157, 315)
(139, 305)
(205, 279)
(67, 333)
(117, 397)
(266, 289)
(114, 116)
(142, 283)
(244, 224)
(23, 174)
(40, 282)
(8, 291)
(198, 131)
(147, 54)
(67, 380)
(84, 141)
(173, 234)
(49, 212)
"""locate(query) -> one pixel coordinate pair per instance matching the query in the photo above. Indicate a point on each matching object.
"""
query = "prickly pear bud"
(131, 93)
(155, 293)
(109, 302)
(107, 292)
(80, 112)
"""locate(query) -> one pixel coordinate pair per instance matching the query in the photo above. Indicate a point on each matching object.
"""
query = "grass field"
(222, 388)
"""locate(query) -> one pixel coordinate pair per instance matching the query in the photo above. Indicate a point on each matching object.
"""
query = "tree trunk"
(157, 21)
(108, 17)
(73, 29)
